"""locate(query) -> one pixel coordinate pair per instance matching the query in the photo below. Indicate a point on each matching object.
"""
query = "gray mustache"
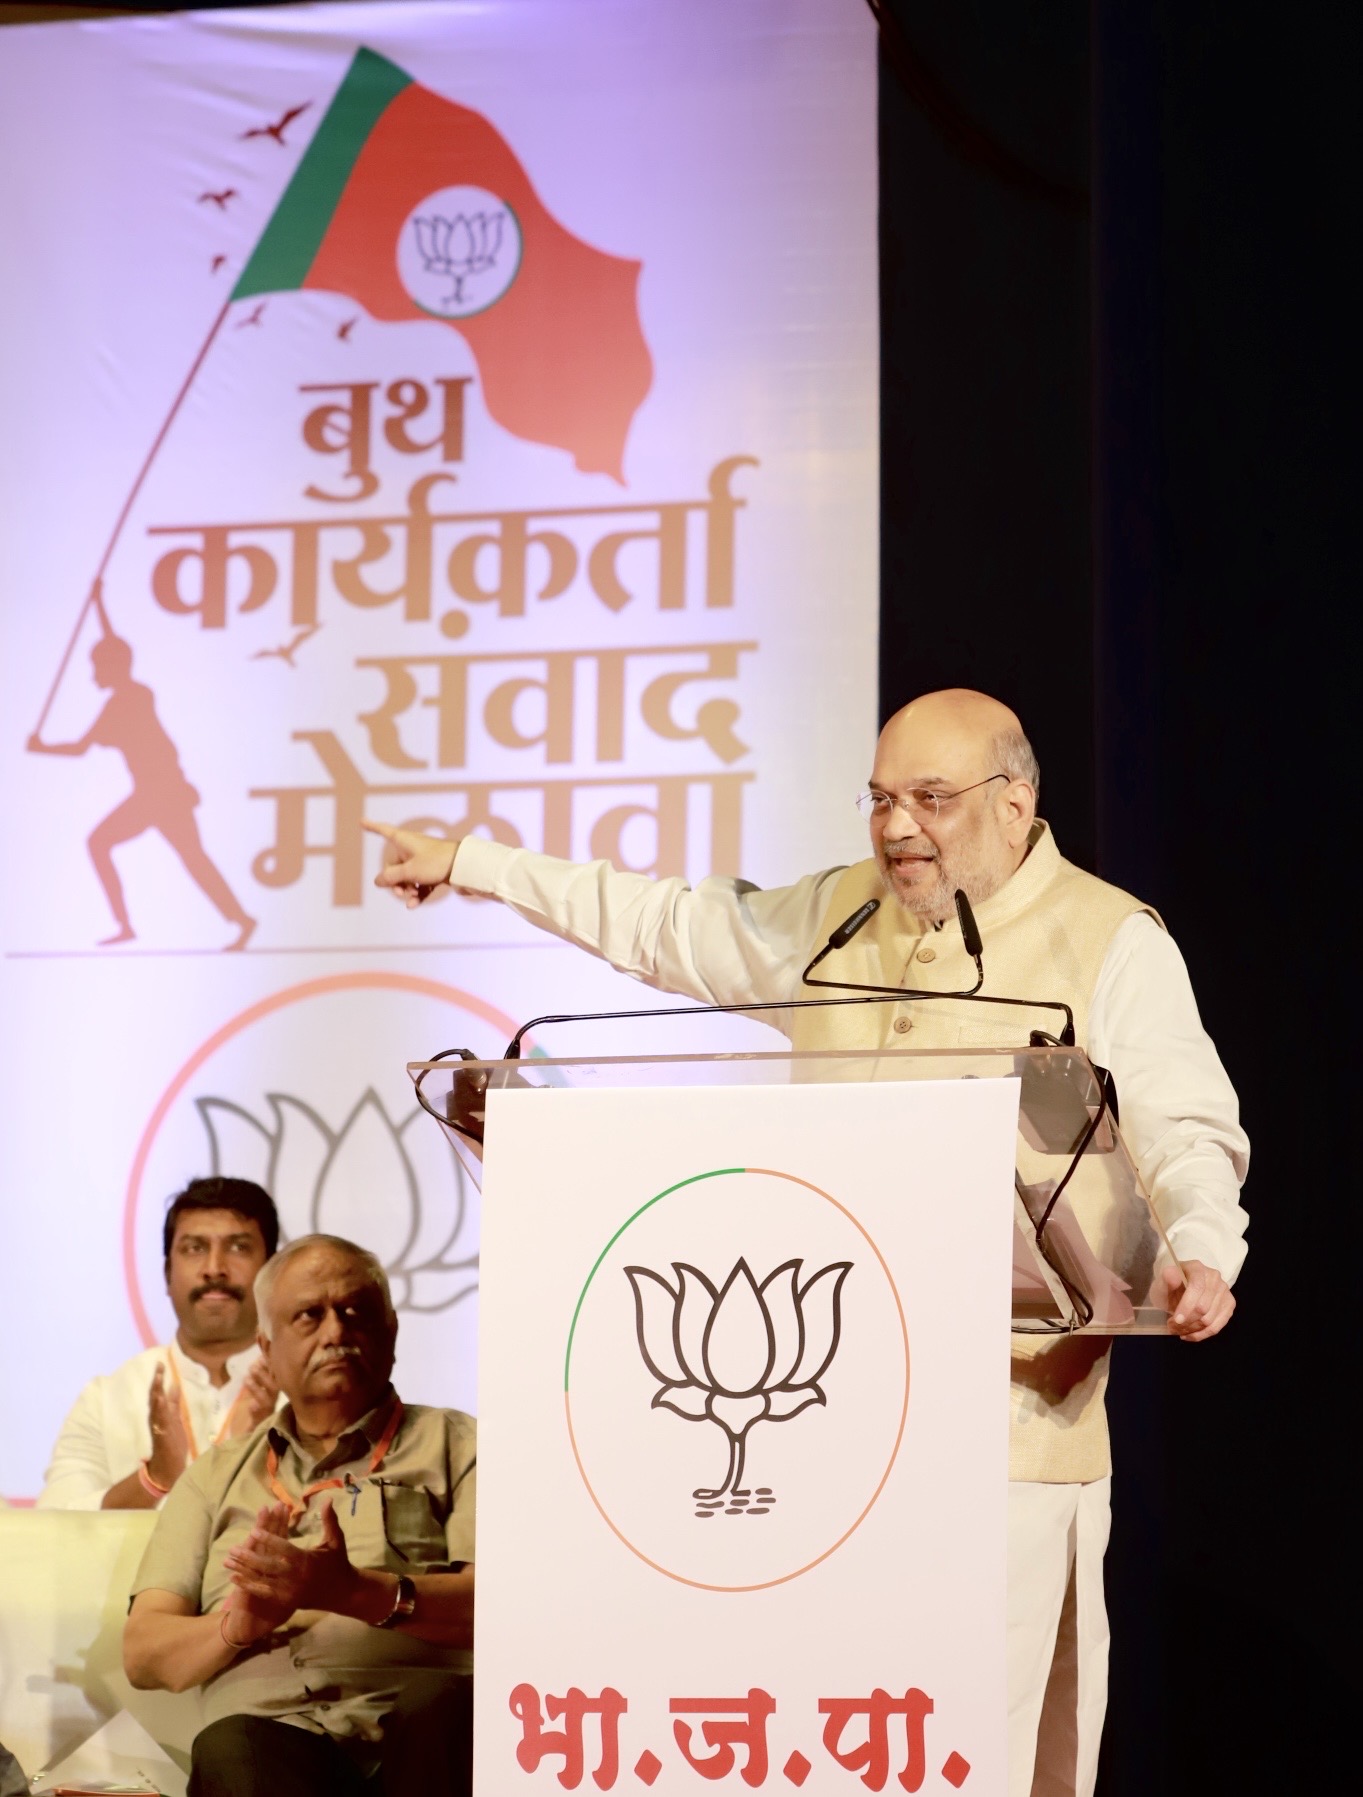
(896, 852)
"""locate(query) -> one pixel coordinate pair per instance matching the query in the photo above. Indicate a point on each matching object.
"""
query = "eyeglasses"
(921, 803)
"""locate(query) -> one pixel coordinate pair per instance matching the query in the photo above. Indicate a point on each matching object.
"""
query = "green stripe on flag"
(291, 240)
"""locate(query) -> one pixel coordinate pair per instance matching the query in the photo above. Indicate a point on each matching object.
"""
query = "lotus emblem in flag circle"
(459, 246)
(737, 1354)
(459, 251)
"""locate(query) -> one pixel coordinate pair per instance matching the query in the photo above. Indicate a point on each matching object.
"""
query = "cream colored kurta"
(1052, 931)
(107, 1432)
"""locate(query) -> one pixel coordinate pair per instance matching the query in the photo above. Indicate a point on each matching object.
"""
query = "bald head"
(966, 781)
(964, 727)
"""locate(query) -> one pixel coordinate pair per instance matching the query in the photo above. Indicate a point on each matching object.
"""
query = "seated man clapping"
(316, 1578)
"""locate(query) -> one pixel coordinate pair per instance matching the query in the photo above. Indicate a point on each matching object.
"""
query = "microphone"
(849, 926)
(840, 937)
(970, 931)
(974, 947)
(844, 933)
(866, 995)
(464, 1105)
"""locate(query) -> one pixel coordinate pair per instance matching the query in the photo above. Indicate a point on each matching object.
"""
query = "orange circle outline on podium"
(786, 1577)
(277, 1001)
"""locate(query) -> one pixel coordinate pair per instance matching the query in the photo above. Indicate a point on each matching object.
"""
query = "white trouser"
(1057, 1636)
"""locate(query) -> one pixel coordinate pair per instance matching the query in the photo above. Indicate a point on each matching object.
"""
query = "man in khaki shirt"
(316, 1577)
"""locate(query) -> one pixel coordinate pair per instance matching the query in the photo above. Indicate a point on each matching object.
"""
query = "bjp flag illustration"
(416, 207)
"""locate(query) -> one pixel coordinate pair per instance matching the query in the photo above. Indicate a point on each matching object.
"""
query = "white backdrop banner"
(461, 414)
(743, 1454)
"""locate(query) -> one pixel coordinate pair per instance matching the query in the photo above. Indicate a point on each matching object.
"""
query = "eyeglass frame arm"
(939, 798)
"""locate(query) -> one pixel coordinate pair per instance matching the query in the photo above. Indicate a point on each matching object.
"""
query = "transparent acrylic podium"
(1087, 1246)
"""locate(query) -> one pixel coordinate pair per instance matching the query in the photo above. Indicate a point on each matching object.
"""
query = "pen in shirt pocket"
(353, 1488)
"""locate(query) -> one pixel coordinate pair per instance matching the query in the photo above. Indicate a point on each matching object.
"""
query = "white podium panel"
(743, 1437)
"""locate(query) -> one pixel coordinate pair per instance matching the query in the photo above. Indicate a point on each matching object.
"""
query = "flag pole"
(95, 597)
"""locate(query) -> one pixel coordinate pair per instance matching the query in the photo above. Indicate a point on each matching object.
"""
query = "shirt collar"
(238, 1365)
(365, 1432)
(194, 1372)
(1024, 885)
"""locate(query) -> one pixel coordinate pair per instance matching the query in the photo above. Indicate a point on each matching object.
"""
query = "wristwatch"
(404, 1604)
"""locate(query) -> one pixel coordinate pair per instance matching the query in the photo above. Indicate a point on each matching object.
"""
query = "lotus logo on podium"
(737, 1355)
(712, 1370)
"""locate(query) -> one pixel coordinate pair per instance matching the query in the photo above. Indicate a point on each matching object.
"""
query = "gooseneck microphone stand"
(970, 932)
(470, 1124)
(864, 994)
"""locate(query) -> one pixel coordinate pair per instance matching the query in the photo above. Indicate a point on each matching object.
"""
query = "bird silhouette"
(281, 124)
(255, 317)
(216, 264)
(219, 199)
(287, 651)
(343, 330)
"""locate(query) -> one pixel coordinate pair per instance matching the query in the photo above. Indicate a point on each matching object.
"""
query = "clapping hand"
(279, 1576)
(256, 1610)
(169, 1442)
(256, 1402)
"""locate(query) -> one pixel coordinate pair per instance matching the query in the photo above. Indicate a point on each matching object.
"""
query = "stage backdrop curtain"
(463, 416)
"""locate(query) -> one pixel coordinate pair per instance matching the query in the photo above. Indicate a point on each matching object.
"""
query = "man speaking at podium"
(952, 804)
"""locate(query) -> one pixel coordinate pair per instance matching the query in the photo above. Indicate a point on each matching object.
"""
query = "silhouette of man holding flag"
(161, 799)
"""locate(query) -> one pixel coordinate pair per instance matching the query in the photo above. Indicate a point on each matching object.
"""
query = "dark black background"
(1115, 453)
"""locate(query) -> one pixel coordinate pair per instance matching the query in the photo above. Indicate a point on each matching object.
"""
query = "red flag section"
(560, 351)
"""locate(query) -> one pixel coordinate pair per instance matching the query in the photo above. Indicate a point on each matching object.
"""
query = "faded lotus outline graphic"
(314, 1172)
(738, 1354)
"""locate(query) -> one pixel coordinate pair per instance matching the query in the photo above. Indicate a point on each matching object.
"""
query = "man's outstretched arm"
(723, 942)
(36, 745)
